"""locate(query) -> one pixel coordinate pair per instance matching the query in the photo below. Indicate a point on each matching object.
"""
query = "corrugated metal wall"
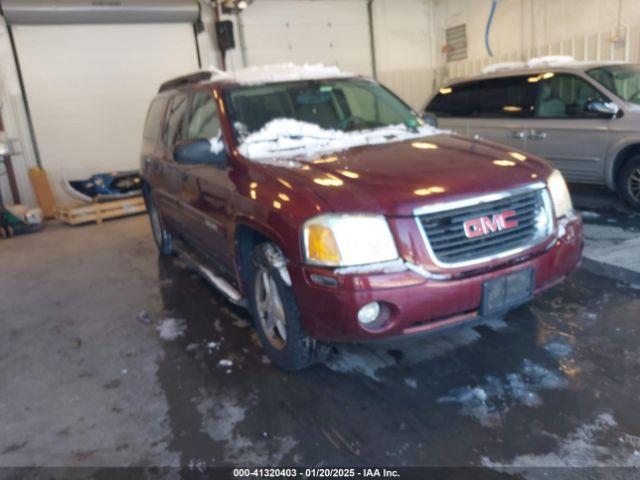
(594, 47)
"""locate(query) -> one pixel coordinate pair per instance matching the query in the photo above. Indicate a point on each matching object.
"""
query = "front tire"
(161, 235)
(629, 182)
(275, 313)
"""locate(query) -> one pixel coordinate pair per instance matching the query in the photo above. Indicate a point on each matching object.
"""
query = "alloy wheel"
(634, 184)
(270, 310)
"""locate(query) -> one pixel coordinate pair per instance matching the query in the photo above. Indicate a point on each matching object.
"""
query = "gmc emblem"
(481, 226)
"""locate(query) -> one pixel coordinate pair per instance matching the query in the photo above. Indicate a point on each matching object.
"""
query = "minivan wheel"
(161, 236)
(629, 182)
(275, 313)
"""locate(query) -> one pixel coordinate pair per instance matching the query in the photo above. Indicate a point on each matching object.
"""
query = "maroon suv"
(325, 205)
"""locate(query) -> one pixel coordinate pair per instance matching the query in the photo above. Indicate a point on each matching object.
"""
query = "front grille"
(446, 236)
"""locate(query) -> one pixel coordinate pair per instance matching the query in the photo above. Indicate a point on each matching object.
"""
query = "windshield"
(343, 105)
(623, 80)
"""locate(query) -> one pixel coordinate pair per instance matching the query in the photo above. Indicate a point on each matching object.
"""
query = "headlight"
(559, 194)
(344, 240)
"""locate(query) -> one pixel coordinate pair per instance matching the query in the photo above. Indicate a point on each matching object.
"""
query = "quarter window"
(566, 96)
(173, 130)
(153, 125)
(453, 101)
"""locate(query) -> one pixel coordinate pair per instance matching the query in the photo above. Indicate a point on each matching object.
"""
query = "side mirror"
(601, 109)
(199, 151)
(430, 119)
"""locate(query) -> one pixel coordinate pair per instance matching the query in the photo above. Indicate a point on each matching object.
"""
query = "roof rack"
(186, 80)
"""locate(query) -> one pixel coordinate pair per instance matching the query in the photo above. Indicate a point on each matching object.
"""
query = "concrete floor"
(111, 356)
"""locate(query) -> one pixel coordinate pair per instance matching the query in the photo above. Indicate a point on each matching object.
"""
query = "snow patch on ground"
(171, 328)
(558, 349)
(579, 449)
(488, 402)
(411, 382)
(220, 417)
(495, 324)
(589, 215)
(369, 360)
(287, 137)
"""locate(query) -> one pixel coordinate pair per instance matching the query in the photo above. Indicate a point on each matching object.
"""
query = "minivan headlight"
(343, 240)
(559, 194)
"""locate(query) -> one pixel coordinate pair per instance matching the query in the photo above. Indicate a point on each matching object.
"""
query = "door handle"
(516, 134)
(536, 135)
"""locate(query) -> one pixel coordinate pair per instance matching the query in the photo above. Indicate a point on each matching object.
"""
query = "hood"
(395, 178)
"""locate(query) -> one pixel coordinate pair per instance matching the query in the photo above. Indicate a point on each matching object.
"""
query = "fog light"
(369, 313)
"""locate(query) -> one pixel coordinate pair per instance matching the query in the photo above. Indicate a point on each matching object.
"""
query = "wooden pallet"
(77, 214)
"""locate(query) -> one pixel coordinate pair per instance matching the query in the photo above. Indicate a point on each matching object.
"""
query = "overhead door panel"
(328, 31)
(89, 87)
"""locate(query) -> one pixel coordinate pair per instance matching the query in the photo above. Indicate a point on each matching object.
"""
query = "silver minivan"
(583, 117)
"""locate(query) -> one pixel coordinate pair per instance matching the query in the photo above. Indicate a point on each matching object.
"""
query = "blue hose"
(486, 32)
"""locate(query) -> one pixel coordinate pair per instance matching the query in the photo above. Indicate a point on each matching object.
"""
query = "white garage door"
(89, 87)
(334, 32)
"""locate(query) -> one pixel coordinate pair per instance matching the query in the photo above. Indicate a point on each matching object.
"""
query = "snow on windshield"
(284, 137)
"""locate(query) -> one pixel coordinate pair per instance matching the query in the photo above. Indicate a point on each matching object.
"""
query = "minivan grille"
(446, 233)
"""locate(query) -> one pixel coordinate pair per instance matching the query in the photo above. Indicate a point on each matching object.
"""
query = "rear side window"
(155, 115)
(204, 121)
(174, 128)
(509, 97)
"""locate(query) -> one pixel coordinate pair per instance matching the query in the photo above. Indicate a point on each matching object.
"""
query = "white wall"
(405, 47)
(327, 31)
(522, 27)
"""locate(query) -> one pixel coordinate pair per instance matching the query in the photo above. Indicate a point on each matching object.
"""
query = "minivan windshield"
(623, 80)
(343, 105)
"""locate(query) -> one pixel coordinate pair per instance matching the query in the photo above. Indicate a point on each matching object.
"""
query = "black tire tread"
(629, 166)
(165, 245)
(298, 351)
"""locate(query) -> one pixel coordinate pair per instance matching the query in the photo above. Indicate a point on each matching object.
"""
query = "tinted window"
(504, 97)
(453, 101)
(173, 130)
(493, 98)
(155, 116)
(566, 96)
(203, 118)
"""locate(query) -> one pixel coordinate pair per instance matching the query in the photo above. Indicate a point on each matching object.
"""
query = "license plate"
(506, 292)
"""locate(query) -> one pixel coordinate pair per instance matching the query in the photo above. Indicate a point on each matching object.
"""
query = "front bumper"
(416, 304)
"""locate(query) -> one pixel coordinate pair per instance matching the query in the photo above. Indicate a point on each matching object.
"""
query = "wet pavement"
(554, 383)
(112, 356)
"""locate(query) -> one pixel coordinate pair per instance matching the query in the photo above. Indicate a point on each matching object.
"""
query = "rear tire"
(275, 313)
(629, 182)
(161, 236)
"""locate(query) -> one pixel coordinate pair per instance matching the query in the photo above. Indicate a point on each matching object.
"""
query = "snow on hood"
(284, 137)
(283, 72)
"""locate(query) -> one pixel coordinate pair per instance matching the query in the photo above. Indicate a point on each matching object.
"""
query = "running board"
(195, 262)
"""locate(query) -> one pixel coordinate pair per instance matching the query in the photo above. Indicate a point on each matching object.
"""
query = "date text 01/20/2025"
(315, 473)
